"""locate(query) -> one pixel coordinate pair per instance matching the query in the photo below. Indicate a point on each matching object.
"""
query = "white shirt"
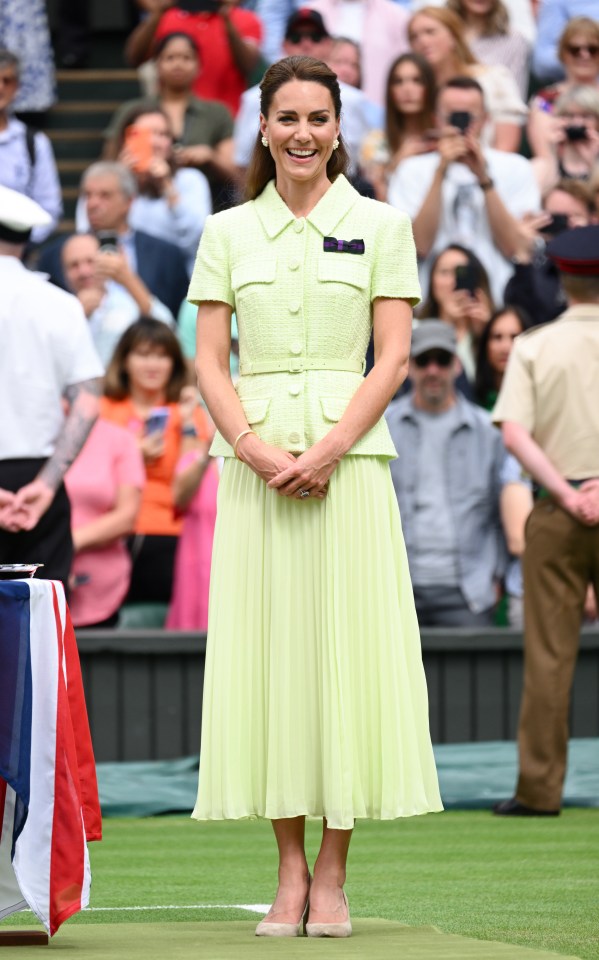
(463, 217)
(38, 181)
(46, 347)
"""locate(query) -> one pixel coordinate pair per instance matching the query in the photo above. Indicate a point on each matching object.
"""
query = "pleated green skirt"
(315, 698)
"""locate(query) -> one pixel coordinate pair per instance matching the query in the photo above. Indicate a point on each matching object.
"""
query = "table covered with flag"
(49, 805)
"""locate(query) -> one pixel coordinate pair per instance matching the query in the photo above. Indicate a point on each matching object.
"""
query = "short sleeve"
(130, 470)
(516, 401)
(395, 269)
(512, 472)
(211, 277)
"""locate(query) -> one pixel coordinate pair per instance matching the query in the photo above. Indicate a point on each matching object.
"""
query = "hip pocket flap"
(338, 270)
(333, 408)
(254, 271)
(256, 409)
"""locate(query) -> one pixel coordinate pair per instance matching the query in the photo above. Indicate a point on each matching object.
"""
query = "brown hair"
(145, 331)
(147, 186)
(430, 309)
(497, 20)
(578, 189)
(577, 25)
(447, 18)
(582, 289)
(261, 167)
(394, 119)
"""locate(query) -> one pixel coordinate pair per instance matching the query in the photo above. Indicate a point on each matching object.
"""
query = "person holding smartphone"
(573, 138)
(227, 37)
(463, 191)
(145, 393)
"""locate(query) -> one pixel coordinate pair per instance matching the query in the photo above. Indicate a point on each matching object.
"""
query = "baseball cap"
(306, 18)
(433, 335)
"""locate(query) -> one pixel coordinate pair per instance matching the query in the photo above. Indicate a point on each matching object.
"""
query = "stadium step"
(86, 102)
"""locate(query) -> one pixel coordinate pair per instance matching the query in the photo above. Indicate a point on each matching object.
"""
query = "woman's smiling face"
(301, 127)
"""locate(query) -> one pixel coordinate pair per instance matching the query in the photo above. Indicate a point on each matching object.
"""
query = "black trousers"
(153, 568)
(50, 541)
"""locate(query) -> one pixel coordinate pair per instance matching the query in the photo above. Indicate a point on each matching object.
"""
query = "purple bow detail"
(332, 245)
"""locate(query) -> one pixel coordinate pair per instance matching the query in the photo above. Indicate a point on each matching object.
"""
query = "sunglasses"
(305, 35)
(575, 49)
(439, 357)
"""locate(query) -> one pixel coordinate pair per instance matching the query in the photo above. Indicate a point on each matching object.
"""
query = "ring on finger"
(303, 494)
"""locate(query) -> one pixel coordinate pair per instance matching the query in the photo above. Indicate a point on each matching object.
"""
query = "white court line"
(251, 907)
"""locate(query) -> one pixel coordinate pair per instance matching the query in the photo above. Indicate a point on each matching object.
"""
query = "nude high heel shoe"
(342, 929)
(268, 929)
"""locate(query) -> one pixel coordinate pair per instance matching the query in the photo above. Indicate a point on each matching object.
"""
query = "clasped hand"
(288, 474)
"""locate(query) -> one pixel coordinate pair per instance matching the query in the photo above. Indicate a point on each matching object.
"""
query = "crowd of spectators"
(479, 118)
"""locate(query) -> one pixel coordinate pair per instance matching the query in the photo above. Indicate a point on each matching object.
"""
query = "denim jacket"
(473, 461)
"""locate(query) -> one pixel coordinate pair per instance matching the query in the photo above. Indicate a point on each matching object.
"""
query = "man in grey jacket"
(447, 484)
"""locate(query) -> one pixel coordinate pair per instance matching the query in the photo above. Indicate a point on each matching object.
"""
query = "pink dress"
(109, 459)
(189, 605)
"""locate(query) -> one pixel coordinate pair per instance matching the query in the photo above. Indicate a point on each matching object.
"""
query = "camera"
(576, 132)
(467, 278)
(199, 6)
(557, 224)
(460, 119)
(108, 240)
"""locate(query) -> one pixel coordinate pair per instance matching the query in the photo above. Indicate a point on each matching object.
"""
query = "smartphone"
(156, 421)
(576, 132)
(80, 579)
(138, 142)
(466, 278)
(199, 6)
(557, 224)
(460, 119)
(108, 240)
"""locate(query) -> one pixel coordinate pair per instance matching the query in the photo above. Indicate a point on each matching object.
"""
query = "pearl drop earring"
(335, 143)
(264, 142)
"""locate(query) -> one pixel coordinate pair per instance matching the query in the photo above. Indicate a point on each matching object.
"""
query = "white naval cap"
(18, 215)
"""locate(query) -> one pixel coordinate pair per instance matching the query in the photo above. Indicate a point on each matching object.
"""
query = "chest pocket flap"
(256, 409)
(253, 271)
(343, 268)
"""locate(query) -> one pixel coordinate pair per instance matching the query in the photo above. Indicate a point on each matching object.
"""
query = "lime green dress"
(315, 698)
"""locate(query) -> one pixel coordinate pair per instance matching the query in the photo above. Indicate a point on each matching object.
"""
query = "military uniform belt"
(543, 493)
(299, 364)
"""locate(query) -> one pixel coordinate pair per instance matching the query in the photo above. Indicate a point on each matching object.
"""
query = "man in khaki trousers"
(549, 411)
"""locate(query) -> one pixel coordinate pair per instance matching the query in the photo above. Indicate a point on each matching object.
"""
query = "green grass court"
(519, 883)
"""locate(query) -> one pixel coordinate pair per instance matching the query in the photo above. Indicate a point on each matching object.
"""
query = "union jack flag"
(49, 802)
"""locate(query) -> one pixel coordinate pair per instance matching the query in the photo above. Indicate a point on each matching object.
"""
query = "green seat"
(140, 616)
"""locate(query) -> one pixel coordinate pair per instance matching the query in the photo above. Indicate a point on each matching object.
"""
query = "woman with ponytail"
(315, 700)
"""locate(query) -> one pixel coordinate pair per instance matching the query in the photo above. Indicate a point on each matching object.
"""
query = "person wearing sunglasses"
(578, 52)
(555, 17)
(447, 480)
(27, 162)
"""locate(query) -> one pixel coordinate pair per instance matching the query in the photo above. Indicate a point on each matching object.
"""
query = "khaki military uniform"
(551, 388)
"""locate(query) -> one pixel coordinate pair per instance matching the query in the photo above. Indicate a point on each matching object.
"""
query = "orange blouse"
(157, 515)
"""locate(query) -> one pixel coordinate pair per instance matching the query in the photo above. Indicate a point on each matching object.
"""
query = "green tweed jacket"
(303, 295)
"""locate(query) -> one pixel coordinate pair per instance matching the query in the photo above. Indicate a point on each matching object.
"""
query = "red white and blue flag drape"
(49, 802)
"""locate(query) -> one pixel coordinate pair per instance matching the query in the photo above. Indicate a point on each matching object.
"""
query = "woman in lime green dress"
(315, 700)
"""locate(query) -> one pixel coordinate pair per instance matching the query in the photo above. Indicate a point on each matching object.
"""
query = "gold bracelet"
(243, 433)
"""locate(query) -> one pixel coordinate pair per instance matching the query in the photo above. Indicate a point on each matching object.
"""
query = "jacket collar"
(580, 311)
(275, 215)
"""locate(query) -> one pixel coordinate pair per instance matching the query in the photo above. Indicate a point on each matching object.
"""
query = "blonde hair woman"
(492, 39)
(438, 35)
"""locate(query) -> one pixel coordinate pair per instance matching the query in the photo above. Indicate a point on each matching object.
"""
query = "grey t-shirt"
(434, 557)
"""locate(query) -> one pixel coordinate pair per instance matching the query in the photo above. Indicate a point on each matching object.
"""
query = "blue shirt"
(38, 181)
